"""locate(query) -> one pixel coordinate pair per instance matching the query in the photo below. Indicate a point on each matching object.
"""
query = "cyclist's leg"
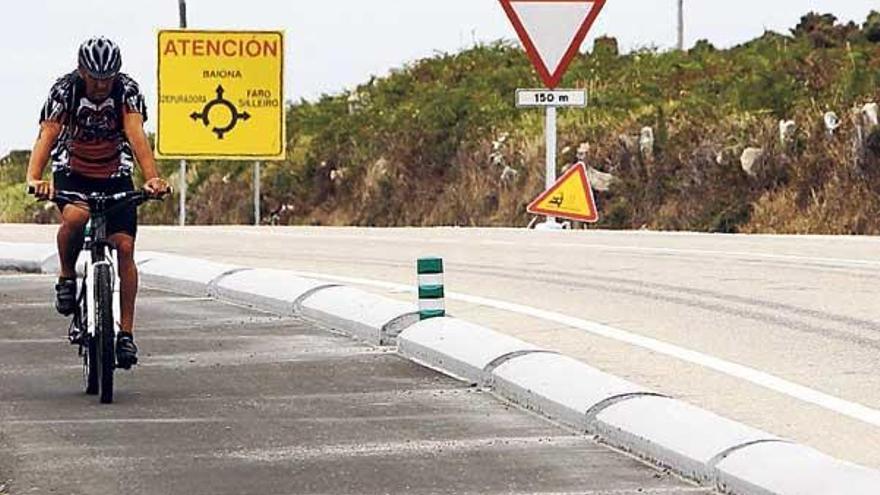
(73, 218)
(122, 231)
(126, 350)
(70, 237)
(128, 278)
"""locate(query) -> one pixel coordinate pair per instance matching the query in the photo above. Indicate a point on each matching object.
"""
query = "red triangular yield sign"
(552, 31)
(571, 197)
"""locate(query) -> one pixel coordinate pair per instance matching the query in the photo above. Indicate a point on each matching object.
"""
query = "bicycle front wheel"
(104, 331)
(90, 351)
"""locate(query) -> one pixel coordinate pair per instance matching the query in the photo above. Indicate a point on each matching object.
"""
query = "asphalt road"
(233, 401)
(797, 308)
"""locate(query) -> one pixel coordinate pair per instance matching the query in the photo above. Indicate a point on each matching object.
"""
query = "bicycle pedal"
(75, 337)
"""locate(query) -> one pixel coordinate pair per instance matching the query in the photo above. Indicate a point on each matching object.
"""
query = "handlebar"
(137, 197)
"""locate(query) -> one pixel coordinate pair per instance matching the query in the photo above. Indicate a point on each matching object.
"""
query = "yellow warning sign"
(221, 95)
(570, 198)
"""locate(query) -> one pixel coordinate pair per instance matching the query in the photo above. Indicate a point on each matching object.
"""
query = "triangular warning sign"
(570, 198)
(552, 31)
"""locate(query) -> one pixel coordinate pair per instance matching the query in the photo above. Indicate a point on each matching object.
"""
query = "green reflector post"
(431, 293)
(430, 265)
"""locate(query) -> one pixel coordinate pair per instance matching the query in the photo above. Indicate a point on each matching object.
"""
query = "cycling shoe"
(65, 296)
(126, 351)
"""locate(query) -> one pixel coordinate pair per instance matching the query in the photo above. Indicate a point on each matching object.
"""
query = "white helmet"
(100, 58)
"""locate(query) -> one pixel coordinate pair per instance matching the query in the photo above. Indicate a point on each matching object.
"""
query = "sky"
(333, 45)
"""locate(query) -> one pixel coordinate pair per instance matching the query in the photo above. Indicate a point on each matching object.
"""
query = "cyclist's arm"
(49, 132)
(133, 124)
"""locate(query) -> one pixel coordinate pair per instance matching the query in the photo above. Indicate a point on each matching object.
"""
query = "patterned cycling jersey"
(92, 142)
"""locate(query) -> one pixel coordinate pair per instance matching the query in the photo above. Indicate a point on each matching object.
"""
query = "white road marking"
(543, 244)
(382, 449)
(112, 421)
(757, 377)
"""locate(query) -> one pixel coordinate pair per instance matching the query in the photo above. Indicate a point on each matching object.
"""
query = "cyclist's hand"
(41, 189)
(157, 187)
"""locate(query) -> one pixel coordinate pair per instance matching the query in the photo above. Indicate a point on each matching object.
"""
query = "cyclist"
(91, 127)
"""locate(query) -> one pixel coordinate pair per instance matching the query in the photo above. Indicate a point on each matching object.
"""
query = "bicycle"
(93, 326)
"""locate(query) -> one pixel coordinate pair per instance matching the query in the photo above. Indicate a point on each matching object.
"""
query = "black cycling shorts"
(123, 220)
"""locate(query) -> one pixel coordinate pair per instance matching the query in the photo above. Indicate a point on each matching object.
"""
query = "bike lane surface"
(231, 400)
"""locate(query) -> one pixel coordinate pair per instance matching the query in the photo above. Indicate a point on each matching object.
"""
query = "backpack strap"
(72, 104)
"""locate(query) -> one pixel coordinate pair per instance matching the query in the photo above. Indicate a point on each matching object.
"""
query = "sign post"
(257, 193)
(550, 174)
(182, 208)
(221, 96)
(551, 33)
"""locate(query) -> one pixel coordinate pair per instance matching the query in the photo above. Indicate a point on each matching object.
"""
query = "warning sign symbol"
(235, 116)
(570, 198)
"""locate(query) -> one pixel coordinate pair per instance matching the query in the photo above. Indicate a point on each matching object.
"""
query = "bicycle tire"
(90, 358)
(104, 332)
(90, 354)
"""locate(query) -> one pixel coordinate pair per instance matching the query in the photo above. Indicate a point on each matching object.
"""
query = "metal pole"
(257, 193)
(182, 5)
(550, 132)
(182, 212)
(680, 25)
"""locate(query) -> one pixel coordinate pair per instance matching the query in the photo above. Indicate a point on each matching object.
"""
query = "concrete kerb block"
(674, 434)
(52, 264)
(458, 348)
(792, 469)
(559, 387)
(181, 274)
(277, 291)
(374, 319)
(25, 257)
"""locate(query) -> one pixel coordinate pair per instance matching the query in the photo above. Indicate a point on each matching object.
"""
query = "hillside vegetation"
(430, 143)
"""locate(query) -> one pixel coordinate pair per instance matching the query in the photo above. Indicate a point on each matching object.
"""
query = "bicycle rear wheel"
(104, 332)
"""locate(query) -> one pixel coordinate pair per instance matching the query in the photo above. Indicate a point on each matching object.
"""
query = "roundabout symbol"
(236, 116)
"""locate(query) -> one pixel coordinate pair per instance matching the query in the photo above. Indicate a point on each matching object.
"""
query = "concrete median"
(25, 257)
(559, 387)
(371, 318)
(271, 290)
(457, 347)
(673, 434)
(182, 274)
(791, 469)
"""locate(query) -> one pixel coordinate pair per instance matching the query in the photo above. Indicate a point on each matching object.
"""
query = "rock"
(497, 158)
(832, 122)
(582, 151)
(628, 143)
(787, 130)
(337, 175)
(600, 180)
(509, 174)
(498, 143)
(866, 119)
(871, 116)
(646, 143)
(749, 159)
